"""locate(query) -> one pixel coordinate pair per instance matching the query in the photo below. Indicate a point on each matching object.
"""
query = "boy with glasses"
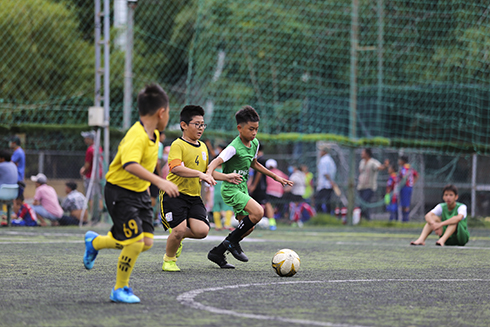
(185, 215)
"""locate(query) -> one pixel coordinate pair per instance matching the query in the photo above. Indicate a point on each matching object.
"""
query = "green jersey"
(462, 235)
(237, 158)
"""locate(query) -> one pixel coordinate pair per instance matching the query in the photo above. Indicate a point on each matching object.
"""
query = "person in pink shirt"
(275, 190)
(46, 205)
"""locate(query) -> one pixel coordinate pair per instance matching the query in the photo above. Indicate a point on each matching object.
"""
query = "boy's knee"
(148, 244)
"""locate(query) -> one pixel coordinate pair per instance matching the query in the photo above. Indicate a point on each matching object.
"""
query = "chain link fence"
(405, 76)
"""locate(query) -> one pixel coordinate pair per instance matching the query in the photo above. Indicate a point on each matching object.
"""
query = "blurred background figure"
(326, 177)
(19, 159)
(275, 191)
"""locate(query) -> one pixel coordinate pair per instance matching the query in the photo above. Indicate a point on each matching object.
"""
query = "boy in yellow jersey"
(126, 195)
(188, 161)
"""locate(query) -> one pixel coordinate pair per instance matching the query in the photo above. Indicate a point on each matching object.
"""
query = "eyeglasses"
(198, 125)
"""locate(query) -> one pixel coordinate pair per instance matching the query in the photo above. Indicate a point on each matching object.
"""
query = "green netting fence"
(417, 71)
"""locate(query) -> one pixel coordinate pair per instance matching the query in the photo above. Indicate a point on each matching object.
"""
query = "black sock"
(243, 227)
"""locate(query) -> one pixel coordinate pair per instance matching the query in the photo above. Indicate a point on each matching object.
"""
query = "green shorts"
(236, 196)
(460, 237)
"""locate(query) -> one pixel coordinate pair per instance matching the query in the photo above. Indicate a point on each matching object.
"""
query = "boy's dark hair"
(451, 188)
(246, 114)
(151, 99)
(404, 158)
(20, 197)
(72, 185)
(188, 112)
(369, 152)
(5, 155)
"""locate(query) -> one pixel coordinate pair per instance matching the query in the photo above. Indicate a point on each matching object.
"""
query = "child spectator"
(407, 178)
(23, 214)
(391, 197)
(447, 220)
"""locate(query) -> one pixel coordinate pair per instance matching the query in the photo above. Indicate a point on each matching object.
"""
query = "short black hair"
(151, 99)
(369, 152)
(246, 114)
(451, 188)
(72, 185)
(189, 111)
(5, 155)
(404, 159)
(20, 197)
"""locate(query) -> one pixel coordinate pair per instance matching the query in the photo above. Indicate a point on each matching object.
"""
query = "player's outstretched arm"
(260, 168)
(139, 171)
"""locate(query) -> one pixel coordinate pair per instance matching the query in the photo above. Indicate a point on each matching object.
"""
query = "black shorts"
(131, 213)
(176, 210)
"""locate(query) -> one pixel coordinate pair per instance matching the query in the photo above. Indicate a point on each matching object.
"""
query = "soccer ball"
(285, 263)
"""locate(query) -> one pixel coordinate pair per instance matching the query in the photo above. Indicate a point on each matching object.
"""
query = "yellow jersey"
(193, 156)
(135, 147)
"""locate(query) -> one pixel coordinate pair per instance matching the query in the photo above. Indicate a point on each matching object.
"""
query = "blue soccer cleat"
(124, 295)
(90, 253)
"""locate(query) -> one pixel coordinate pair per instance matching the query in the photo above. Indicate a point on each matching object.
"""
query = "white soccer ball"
(285, 262)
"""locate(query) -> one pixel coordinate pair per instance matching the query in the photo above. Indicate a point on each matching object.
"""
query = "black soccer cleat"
(236, 250)
(219, 259)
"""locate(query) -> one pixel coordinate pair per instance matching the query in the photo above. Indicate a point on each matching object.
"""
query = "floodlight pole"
(354, 35)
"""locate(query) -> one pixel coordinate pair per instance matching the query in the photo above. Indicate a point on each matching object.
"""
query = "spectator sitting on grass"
(74, 203)
(447, 220)
(46, 205)
(23, 215)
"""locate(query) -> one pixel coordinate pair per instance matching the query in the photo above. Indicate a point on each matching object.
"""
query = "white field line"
(187, 298)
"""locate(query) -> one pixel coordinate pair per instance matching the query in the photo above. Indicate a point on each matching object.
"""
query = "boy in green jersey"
(238, 157)
(448, 220)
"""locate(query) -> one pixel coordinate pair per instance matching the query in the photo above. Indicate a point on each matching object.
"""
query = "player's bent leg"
(450, 229)
(198, 229)
(255, 211)
(175, 238)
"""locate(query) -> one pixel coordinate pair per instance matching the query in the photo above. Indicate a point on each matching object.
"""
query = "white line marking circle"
(187, 298)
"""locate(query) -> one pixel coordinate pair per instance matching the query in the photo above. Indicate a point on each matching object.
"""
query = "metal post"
(97, 53)
(41, 162)
(380, 63)
(353, 105)
(128, 70)
(107, 41)
(473, 184)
